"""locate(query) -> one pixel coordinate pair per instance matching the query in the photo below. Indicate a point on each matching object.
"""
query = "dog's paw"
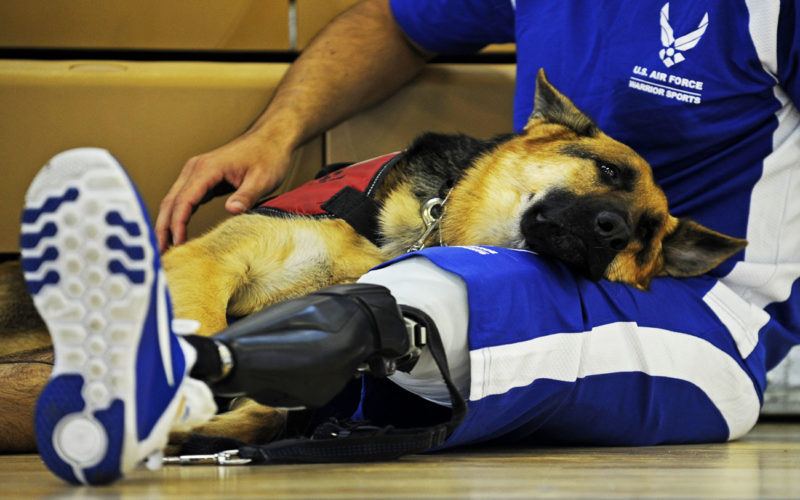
(247, 421)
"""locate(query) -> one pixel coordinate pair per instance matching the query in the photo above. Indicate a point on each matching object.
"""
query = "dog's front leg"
(252, 261)
(200, 285)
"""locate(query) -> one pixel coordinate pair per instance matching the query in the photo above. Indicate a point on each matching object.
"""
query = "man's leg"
(557, 358)
(304, 351)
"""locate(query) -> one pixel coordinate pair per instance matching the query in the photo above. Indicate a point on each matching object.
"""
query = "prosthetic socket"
(302, 352)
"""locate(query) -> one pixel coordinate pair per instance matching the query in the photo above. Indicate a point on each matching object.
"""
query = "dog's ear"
(550, 105)
(693, 249)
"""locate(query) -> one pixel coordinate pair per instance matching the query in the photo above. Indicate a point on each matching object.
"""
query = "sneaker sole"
(91, 266)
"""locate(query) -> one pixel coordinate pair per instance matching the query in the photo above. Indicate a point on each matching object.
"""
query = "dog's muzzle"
(586, 233)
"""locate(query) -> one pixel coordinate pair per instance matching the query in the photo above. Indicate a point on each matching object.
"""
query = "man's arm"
(361, 58)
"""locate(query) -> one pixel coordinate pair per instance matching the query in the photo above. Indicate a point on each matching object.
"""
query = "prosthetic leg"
(302, 352)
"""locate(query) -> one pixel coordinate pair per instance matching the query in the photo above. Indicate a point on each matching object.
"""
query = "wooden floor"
(765, 464)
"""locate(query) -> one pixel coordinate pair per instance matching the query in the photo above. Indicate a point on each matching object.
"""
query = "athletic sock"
(209, 365)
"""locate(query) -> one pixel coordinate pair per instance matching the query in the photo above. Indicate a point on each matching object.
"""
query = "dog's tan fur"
(281, 259)
(252, 261)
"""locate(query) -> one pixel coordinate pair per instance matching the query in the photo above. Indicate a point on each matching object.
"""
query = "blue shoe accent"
(61, 397)
(51, 278)
(133, 252)
(133, 275)
(153, 370)
(32, 240)
(109, 469)
(32, 264)
(115, 219)
(31, 215)
(95, 277)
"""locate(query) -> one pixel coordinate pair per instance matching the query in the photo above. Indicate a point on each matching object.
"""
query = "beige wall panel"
(151, 116)
(146, 24)
(472, 99)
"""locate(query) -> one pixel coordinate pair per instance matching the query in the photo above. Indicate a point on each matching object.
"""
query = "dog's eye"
(608, 171)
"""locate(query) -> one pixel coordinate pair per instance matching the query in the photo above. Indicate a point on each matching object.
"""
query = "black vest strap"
(358, 210)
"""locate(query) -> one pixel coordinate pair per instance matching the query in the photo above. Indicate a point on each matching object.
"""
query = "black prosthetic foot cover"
(302, 352)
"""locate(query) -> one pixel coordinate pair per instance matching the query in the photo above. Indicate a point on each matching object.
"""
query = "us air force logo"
(673, 50)
(670, 85)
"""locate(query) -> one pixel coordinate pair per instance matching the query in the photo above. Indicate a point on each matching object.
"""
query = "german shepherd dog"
(561, 188)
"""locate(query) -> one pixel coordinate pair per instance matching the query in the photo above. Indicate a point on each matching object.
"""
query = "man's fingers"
(167, 206)
(181, 213)
(235, 206)
(187, 200)
(162, 233)
(254, 185)
(196, 180)
(164, 218)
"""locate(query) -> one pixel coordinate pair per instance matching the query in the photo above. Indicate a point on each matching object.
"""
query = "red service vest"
(347, 193)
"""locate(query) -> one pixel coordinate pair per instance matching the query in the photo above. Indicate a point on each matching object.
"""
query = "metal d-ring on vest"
(430, 221)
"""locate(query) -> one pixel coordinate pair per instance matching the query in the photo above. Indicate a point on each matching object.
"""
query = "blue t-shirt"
(705, 90)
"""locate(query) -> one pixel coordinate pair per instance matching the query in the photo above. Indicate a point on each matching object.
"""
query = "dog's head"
(565, 189)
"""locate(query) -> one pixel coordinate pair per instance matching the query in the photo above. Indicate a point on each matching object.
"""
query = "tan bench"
(146, 24)
(154, 116)
(474, 99)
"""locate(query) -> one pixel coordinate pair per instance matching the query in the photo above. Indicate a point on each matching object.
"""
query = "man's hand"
(248, 166)
(358, 60)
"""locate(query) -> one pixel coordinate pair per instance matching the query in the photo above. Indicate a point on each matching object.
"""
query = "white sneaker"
(92, 265)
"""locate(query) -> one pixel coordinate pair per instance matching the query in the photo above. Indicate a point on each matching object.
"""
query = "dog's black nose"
(612, 230)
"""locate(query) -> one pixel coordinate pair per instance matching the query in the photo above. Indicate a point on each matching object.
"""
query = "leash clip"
(227, 457)
(430, 221)
(428, 218)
